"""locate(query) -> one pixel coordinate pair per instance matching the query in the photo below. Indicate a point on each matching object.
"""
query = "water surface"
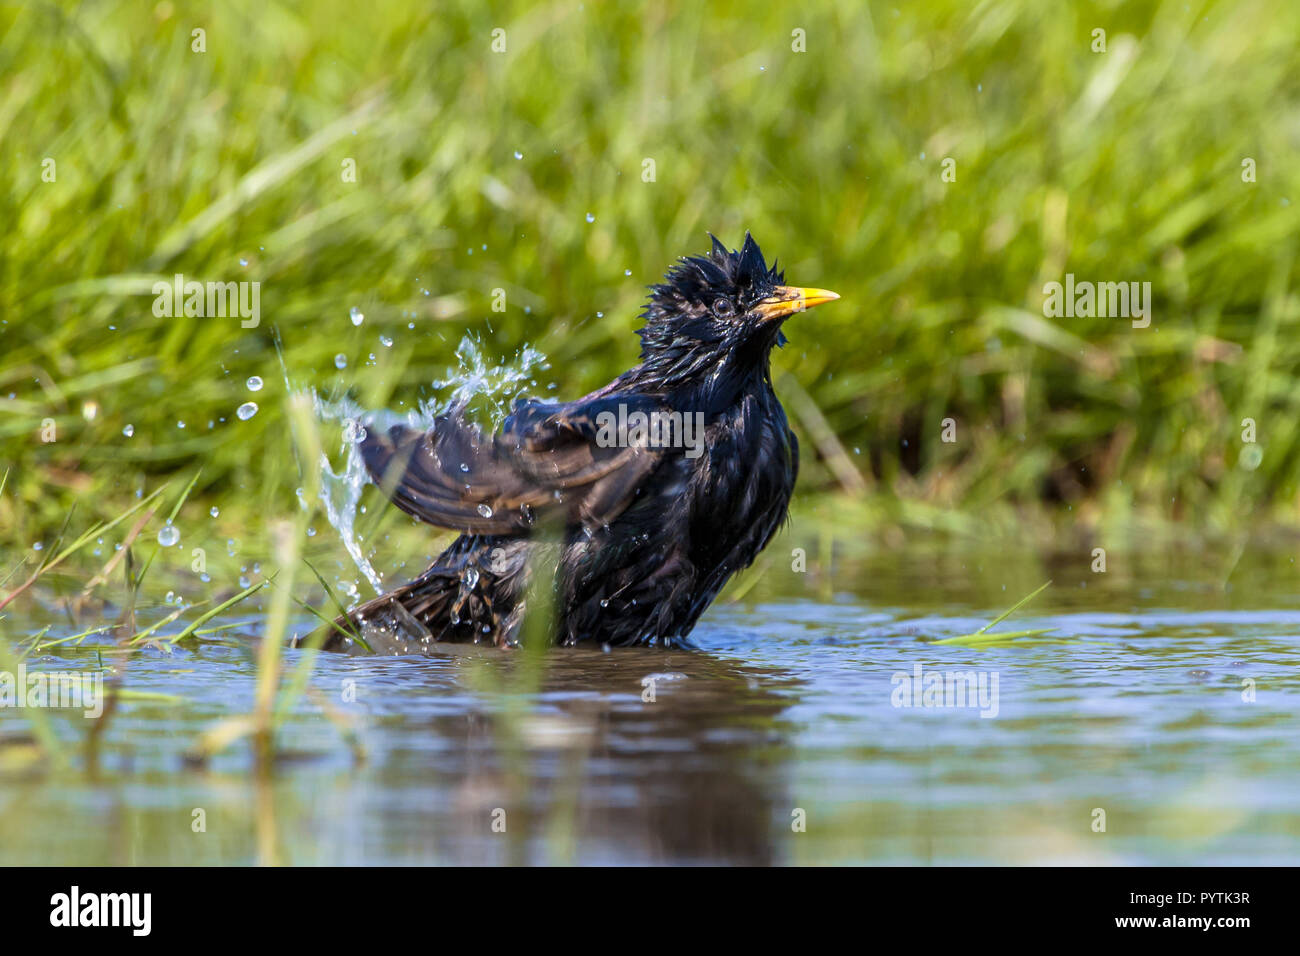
(777, 741)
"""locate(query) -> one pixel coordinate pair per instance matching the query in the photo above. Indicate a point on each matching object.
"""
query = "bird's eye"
(724, 308)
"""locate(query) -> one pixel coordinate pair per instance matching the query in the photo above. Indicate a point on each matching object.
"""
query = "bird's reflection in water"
(633, 756)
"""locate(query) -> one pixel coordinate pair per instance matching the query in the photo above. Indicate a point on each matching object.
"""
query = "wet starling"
(637, 502)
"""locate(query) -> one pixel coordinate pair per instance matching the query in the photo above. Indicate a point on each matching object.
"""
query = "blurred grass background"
(479, 170)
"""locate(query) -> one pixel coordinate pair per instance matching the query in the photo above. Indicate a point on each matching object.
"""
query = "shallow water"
(777, 741)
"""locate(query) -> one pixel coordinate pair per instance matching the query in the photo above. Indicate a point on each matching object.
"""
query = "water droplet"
(169, 535)
(254, 384)
(357, 317)
(386, 341)
(471, 578)
(485, 511)
(243, 261)
(246, 410)
(128, 431)
(591, 217)
(37, 546)
(353, 432)
(215, 511)
(244, 581)
(340, 361)
(518, 155)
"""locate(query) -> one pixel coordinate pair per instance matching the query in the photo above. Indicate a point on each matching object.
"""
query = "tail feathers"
(437, 606)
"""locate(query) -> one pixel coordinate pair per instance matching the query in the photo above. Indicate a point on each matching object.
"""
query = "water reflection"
(643, 756)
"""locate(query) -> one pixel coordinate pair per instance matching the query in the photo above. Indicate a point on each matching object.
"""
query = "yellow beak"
(787, 300)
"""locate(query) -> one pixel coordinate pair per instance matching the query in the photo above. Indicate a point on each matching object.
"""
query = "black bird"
(640, 515)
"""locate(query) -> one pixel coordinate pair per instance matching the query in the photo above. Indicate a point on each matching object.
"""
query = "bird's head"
(721, 304)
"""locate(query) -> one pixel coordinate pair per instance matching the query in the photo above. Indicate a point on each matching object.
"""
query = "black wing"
(549, 462)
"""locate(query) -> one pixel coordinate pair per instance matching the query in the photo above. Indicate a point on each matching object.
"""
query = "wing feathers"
(546, 463)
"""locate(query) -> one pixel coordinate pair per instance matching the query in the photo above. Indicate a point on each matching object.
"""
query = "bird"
(621, 514)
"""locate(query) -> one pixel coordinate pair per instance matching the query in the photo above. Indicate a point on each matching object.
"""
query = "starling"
(637, 502)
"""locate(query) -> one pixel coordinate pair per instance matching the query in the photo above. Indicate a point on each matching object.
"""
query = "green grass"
(986, 637)
(274, 697)
(1124, 165)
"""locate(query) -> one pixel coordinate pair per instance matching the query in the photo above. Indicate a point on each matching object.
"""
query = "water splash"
(486, 390)
(340, 492)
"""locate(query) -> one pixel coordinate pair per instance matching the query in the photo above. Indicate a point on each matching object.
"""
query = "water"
(487, 390)
(483, 389)
(784, 713)
(342, 486)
